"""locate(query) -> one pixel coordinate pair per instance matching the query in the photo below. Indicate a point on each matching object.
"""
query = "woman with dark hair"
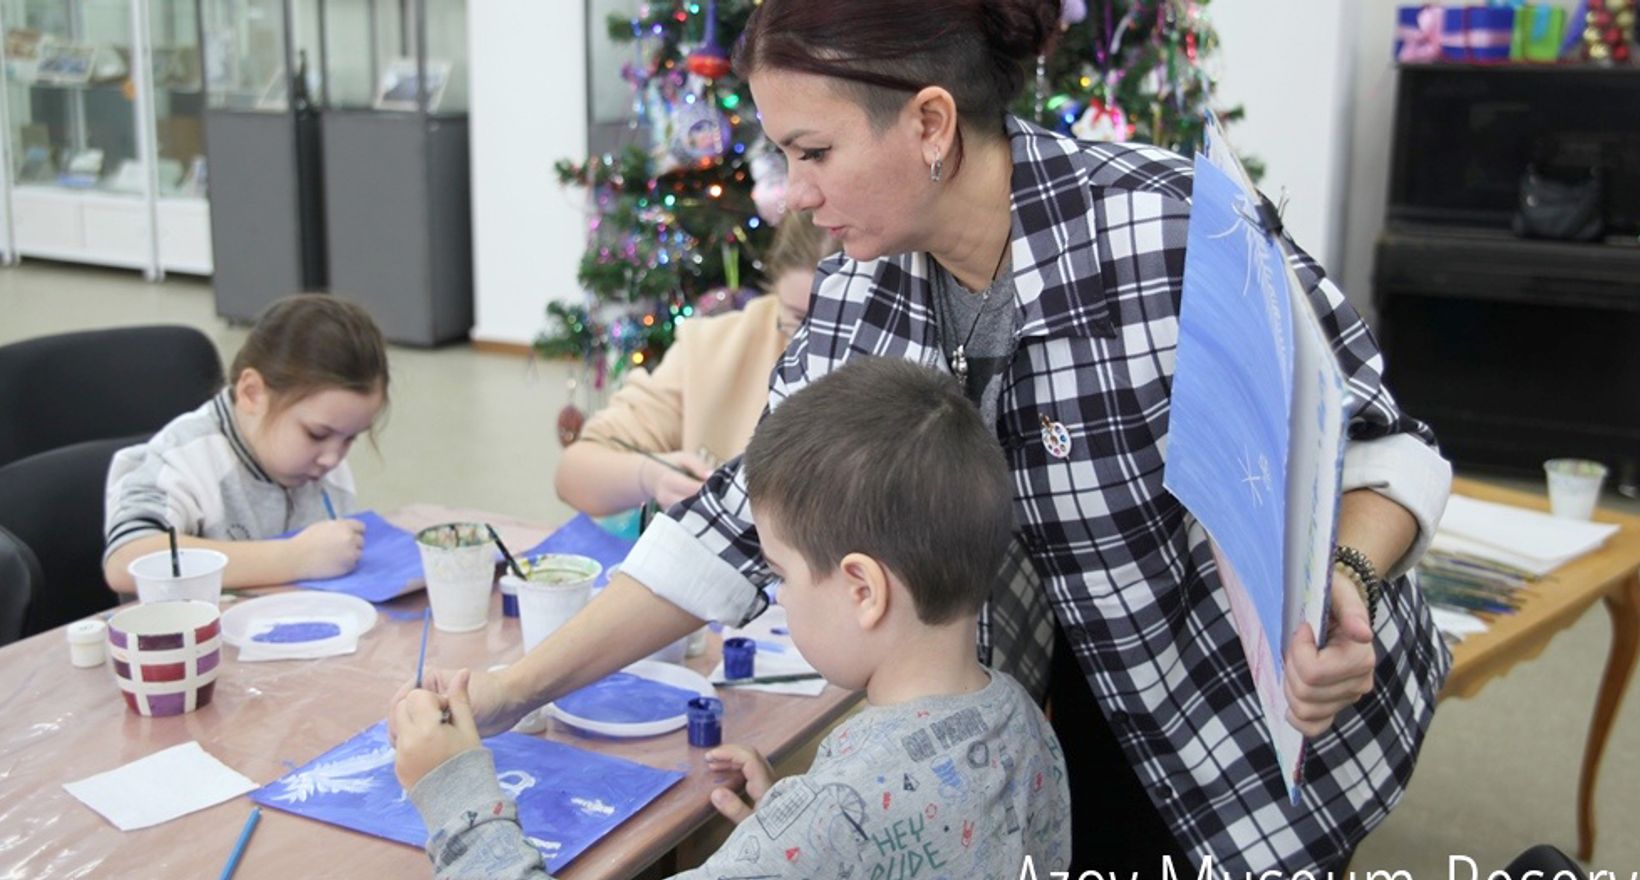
(1046, 275)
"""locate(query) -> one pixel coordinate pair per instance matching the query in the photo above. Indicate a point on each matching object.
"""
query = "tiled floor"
(1498, 772)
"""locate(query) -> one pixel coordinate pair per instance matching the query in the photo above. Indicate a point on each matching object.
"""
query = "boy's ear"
(250, 391)
(866, 580)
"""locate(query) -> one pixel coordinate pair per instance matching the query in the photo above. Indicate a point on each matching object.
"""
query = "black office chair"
(19, 580)
(53, 501)
(1546, 861)
(72, 387)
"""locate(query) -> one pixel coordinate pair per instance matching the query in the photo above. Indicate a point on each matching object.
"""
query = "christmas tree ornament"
(570, 422)
(769, 185)
(1608, 30)
(700, 133)
(708, 59)
(1102, 123)
(571, 419)
(1072, 12)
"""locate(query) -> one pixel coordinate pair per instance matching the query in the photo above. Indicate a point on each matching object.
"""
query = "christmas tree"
(678, 226)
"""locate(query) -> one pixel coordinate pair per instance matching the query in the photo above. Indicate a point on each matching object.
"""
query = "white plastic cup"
(458, 563)
(559, 586)
(201, 576)
(1574, 486)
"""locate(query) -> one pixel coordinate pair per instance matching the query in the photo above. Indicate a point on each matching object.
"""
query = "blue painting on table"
(584, 537)
(389, 567)
(568, 798)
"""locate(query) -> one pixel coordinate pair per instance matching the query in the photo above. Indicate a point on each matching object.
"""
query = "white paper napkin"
(160, 787)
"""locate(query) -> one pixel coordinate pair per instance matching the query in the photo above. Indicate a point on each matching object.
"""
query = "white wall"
(1288, 63)
(1372, 122)
(529, 109)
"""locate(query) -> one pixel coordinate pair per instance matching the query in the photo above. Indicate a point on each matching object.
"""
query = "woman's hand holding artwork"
(1323, 682)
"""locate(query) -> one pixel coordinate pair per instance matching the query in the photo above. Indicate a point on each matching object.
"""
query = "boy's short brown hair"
(887, 458)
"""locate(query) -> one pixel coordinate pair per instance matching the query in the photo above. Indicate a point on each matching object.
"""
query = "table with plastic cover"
(59, 723)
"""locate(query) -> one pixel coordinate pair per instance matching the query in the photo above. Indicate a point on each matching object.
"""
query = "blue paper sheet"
(1256, 431)
(389, 567)
(568, 798)
(1232, 389)
(584, 537)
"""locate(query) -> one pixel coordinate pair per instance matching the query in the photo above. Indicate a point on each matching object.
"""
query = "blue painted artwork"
(584, 537)
(1232, 388)
(389, 567)
(1256, 431)
(568, 798)
(624, 698)
(286, 633)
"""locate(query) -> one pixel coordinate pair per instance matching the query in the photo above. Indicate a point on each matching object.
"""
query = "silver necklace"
(959, 356)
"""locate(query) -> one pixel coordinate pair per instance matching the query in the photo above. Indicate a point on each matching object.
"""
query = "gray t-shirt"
(947, 786)
(984, 324)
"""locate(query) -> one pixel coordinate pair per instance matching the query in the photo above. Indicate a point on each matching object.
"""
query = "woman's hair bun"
(1019, 29)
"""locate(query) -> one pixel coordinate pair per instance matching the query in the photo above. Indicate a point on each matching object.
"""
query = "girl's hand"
(430, 729)
(753, 766)
(328, 549)
(667, 486)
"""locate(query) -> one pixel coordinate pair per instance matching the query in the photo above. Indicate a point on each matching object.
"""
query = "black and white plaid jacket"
(1098, 251)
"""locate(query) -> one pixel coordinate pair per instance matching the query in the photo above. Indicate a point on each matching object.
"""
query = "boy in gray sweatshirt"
(886, 532)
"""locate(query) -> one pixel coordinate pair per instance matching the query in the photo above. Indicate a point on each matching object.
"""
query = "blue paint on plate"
(296, 633)
(624, 698)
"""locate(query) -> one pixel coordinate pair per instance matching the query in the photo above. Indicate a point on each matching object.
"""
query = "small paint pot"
(87, 643)
(509, 597)
(705, 722)
(738, 656)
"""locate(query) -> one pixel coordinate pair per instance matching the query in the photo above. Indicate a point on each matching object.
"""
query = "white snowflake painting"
(568, 798)
(354, 775)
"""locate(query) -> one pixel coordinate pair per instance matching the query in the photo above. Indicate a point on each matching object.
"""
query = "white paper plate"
(665, 673)
(355, 616)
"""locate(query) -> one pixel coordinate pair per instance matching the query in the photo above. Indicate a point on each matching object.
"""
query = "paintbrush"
(511, 562)
(657, 459)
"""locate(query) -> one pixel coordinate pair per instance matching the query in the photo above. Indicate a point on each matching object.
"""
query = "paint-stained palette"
(294, 625)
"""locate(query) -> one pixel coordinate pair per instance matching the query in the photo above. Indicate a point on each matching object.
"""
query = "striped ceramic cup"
(166, 654)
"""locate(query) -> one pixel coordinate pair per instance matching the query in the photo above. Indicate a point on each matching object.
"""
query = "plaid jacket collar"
(1054, 258)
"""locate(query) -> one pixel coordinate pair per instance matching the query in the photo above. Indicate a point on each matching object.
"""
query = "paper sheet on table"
(1458, 624)
(568, 798)
(777, 654)
(160, 787)
(1529, 540)
(389, 567)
